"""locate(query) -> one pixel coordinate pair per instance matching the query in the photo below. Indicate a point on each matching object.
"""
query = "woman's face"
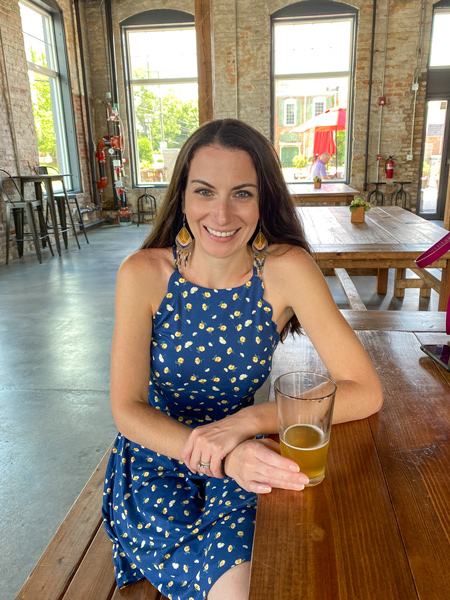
(221, 201)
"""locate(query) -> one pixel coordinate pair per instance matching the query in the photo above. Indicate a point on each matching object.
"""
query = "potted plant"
(358, 207)
(317, 183)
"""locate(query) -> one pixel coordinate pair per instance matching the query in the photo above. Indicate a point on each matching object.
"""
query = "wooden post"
(205, 45)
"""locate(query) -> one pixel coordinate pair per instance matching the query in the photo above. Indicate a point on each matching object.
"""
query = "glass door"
(435, 159)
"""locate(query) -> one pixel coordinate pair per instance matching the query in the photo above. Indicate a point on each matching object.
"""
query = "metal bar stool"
(61, 202)
(72, 199)
(19, 210)
(376, 194)
(400, 196)
(146, 206)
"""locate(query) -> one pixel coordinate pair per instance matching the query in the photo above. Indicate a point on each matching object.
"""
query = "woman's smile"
(221, 234)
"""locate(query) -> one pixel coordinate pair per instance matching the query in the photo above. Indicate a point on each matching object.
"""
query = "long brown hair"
(280, 222)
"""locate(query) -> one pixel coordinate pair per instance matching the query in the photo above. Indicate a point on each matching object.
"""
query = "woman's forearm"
(145, 425)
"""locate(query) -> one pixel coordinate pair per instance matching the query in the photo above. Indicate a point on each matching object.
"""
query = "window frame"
(314, 11)
(153, 20)
(64, 121)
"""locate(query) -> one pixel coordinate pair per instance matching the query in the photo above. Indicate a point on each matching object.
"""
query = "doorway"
(435, 160)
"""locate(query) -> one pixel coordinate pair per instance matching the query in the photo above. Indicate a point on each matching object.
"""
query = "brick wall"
(242, 33)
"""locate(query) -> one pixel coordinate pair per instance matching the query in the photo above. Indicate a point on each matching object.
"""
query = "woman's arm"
(141, 285)
(296, 285)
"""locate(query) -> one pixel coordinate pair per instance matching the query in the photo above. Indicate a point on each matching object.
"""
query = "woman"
(197, 340)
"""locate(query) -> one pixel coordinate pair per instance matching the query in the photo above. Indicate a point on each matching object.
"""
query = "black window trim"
(145, 21)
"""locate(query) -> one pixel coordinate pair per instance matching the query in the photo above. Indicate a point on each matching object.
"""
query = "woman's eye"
(243, 194)
(204, 192)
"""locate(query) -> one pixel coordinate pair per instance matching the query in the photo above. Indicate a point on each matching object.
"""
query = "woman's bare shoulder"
(147, 273)
(149, 260)
(285, 256)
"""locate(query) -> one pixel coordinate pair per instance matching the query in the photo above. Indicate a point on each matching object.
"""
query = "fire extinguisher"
(390, 168)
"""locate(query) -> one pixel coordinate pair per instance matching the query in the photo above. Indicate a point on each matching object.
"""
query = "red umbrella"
(333, 119)
(324, 127)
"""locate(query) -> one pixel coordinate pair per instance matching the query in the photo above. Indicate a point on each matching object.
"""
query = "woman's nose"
(223, 210)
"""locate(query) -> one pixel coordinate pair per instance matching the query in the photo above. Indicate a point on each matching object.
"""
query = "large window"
(312, 82)
(162, 90)
(440, 48)
(50, 91)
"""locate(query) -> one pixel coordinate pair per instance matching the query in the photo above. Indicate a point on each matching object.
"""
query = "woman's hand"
(211, 443)
(257, 466)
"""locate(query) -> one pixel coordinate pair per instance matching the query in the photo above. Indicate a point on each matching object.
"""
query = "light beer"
(307, 446)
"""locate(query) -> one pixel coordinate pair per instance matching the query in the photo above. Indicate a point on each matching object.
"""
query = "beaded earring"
(183, 242)
(259, 247)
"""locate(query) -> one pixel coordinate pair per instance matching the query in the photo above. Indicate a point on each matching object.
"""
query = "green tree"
(41, 97)
(340, 147)
(170, 119)
(145, 150)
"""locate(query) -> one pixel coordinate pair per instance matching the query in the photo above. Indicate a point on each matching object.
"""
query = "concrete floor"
(56, 321)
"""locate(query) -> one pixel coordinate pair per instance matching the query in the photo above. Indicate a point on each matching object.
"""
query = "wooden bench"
(396, 320)
(77, 563)
(350, 291)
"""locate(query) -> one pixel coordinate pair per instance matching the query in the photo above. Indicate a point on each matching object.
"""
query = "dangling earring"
(183, 243)
(259, 248)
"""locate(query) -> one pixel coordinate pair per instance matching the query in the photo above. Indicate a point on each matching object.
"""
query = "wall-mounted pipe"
(380, 125)
(374, 21)
(86, 104)
(111, 52)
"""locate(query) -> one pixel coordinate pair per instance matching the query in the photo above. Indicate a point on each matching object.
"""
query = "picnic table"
(329, 193)
(390, 237)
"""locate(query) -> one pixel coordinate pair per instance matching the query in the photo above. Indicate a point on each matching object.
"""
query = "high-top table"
(54, 203)
(378, 526)
(329, 193)
(391, 237)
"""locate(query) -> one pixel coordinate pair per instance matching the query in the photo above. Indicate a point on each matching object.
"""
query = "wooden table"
(391, 237)
(330, 193)
(378, 526)
(47, 180)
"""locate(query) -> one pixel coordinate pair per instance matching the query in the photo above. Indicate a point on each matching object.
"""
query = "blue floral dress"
(210, 350)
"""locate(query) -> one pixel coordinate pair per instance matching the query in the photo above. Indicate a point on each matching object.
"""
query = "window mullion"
(43, 70)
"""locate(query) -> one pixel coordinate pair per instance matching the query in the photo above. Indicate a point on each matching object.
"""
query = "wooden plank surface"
(412, 434)
(94, 577)
(387, 230)
(396, 320)
(53, 572)
(350, 291)
(204, 33)
(337, 540)
(383, 507)
(335, 189)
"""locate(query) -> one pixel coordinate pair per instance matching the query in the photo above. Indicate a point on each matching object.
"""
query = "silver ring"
(203, 465)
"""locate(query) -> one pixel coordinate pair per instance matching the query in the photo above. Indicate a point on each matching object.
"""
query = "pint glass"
(305, 402)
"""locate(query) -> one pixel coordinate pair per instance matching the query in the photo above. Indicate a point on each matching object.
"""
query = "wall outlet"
(409, 157)
(415, 87)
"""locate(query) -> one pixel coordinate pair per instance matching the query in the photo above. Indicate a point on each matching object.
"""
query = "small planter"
(317, 185)
(357, 215)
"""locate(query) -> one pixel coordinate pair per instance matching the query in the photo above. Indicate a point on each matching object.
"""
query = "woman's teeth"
(221, 233)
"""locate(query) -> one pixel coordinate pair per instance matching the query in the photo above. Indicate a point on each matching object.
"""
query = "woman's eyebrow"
(236, 187)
